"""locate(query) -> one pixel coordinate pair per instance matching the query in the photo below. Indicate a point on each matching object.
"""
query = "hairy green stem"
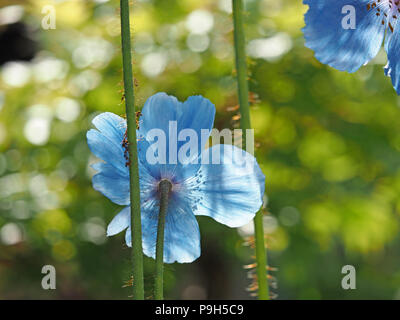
(241, 68)
(261, 257)
(164, 188)
(136, 226)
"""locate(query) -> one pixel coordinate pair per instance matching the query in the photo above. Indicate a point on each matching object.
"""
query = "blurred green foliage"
(328, 143)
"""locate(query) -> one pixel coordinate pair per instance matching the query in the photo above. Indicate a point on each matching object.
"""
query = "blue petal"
(106, 142)
(182, 235)
(393, 51)
(120, 222)
(342, 49)
(111, 183)
(196, 113)
(230, 192)
(157, 112)
(128, 237)
(111, 125)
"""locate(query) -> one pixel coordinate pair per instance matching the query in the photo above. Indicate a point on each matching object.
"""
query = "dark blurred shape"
(16, 43)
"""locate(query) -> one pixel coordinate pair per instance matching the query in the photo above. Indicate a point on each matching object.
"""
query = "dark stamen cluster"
(387, 17)
(125, 145)
(125, 142)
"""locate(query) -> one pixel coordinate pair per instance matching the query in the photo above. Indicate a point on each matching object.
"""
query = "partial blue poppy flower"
(229, 191)
(347, 46)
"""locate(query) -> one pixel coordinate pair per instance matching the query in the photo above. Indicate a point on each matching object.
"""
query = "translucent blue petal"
(393, 51)
(196, 113)
(106, 142)
(157, 112)
(120, 222)
(111, 183)
(182, 235)
(128, 237)
(343, 49)
(230, 192)
(111, 125)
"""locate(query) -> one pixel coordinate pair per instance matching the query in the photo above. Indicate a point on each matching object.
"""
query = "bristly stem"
(261, 257)
(164, 188)
(241, 69)
(136, 226)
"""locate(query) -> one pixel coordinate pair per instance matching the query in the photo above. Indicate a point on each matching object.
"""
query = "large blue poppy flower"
(344, 48)
(229, 192)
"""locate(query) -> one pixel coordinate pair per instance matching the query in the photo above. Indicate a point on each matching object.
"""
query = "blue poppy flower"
(229, 192)
(345, 47)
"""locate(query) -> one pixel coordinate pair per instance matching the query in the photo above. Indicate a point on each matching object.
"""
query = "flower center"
(164, 187)
(389, 10)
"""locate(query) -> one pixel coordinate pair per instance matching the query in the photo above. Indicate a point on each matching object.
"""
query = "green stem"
(241, 68)
(261, 257)
(136, 226)
(164, 189)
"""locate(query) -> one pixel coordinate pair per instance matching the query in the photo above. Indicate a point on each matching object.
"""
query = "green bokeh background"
(328, 143)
